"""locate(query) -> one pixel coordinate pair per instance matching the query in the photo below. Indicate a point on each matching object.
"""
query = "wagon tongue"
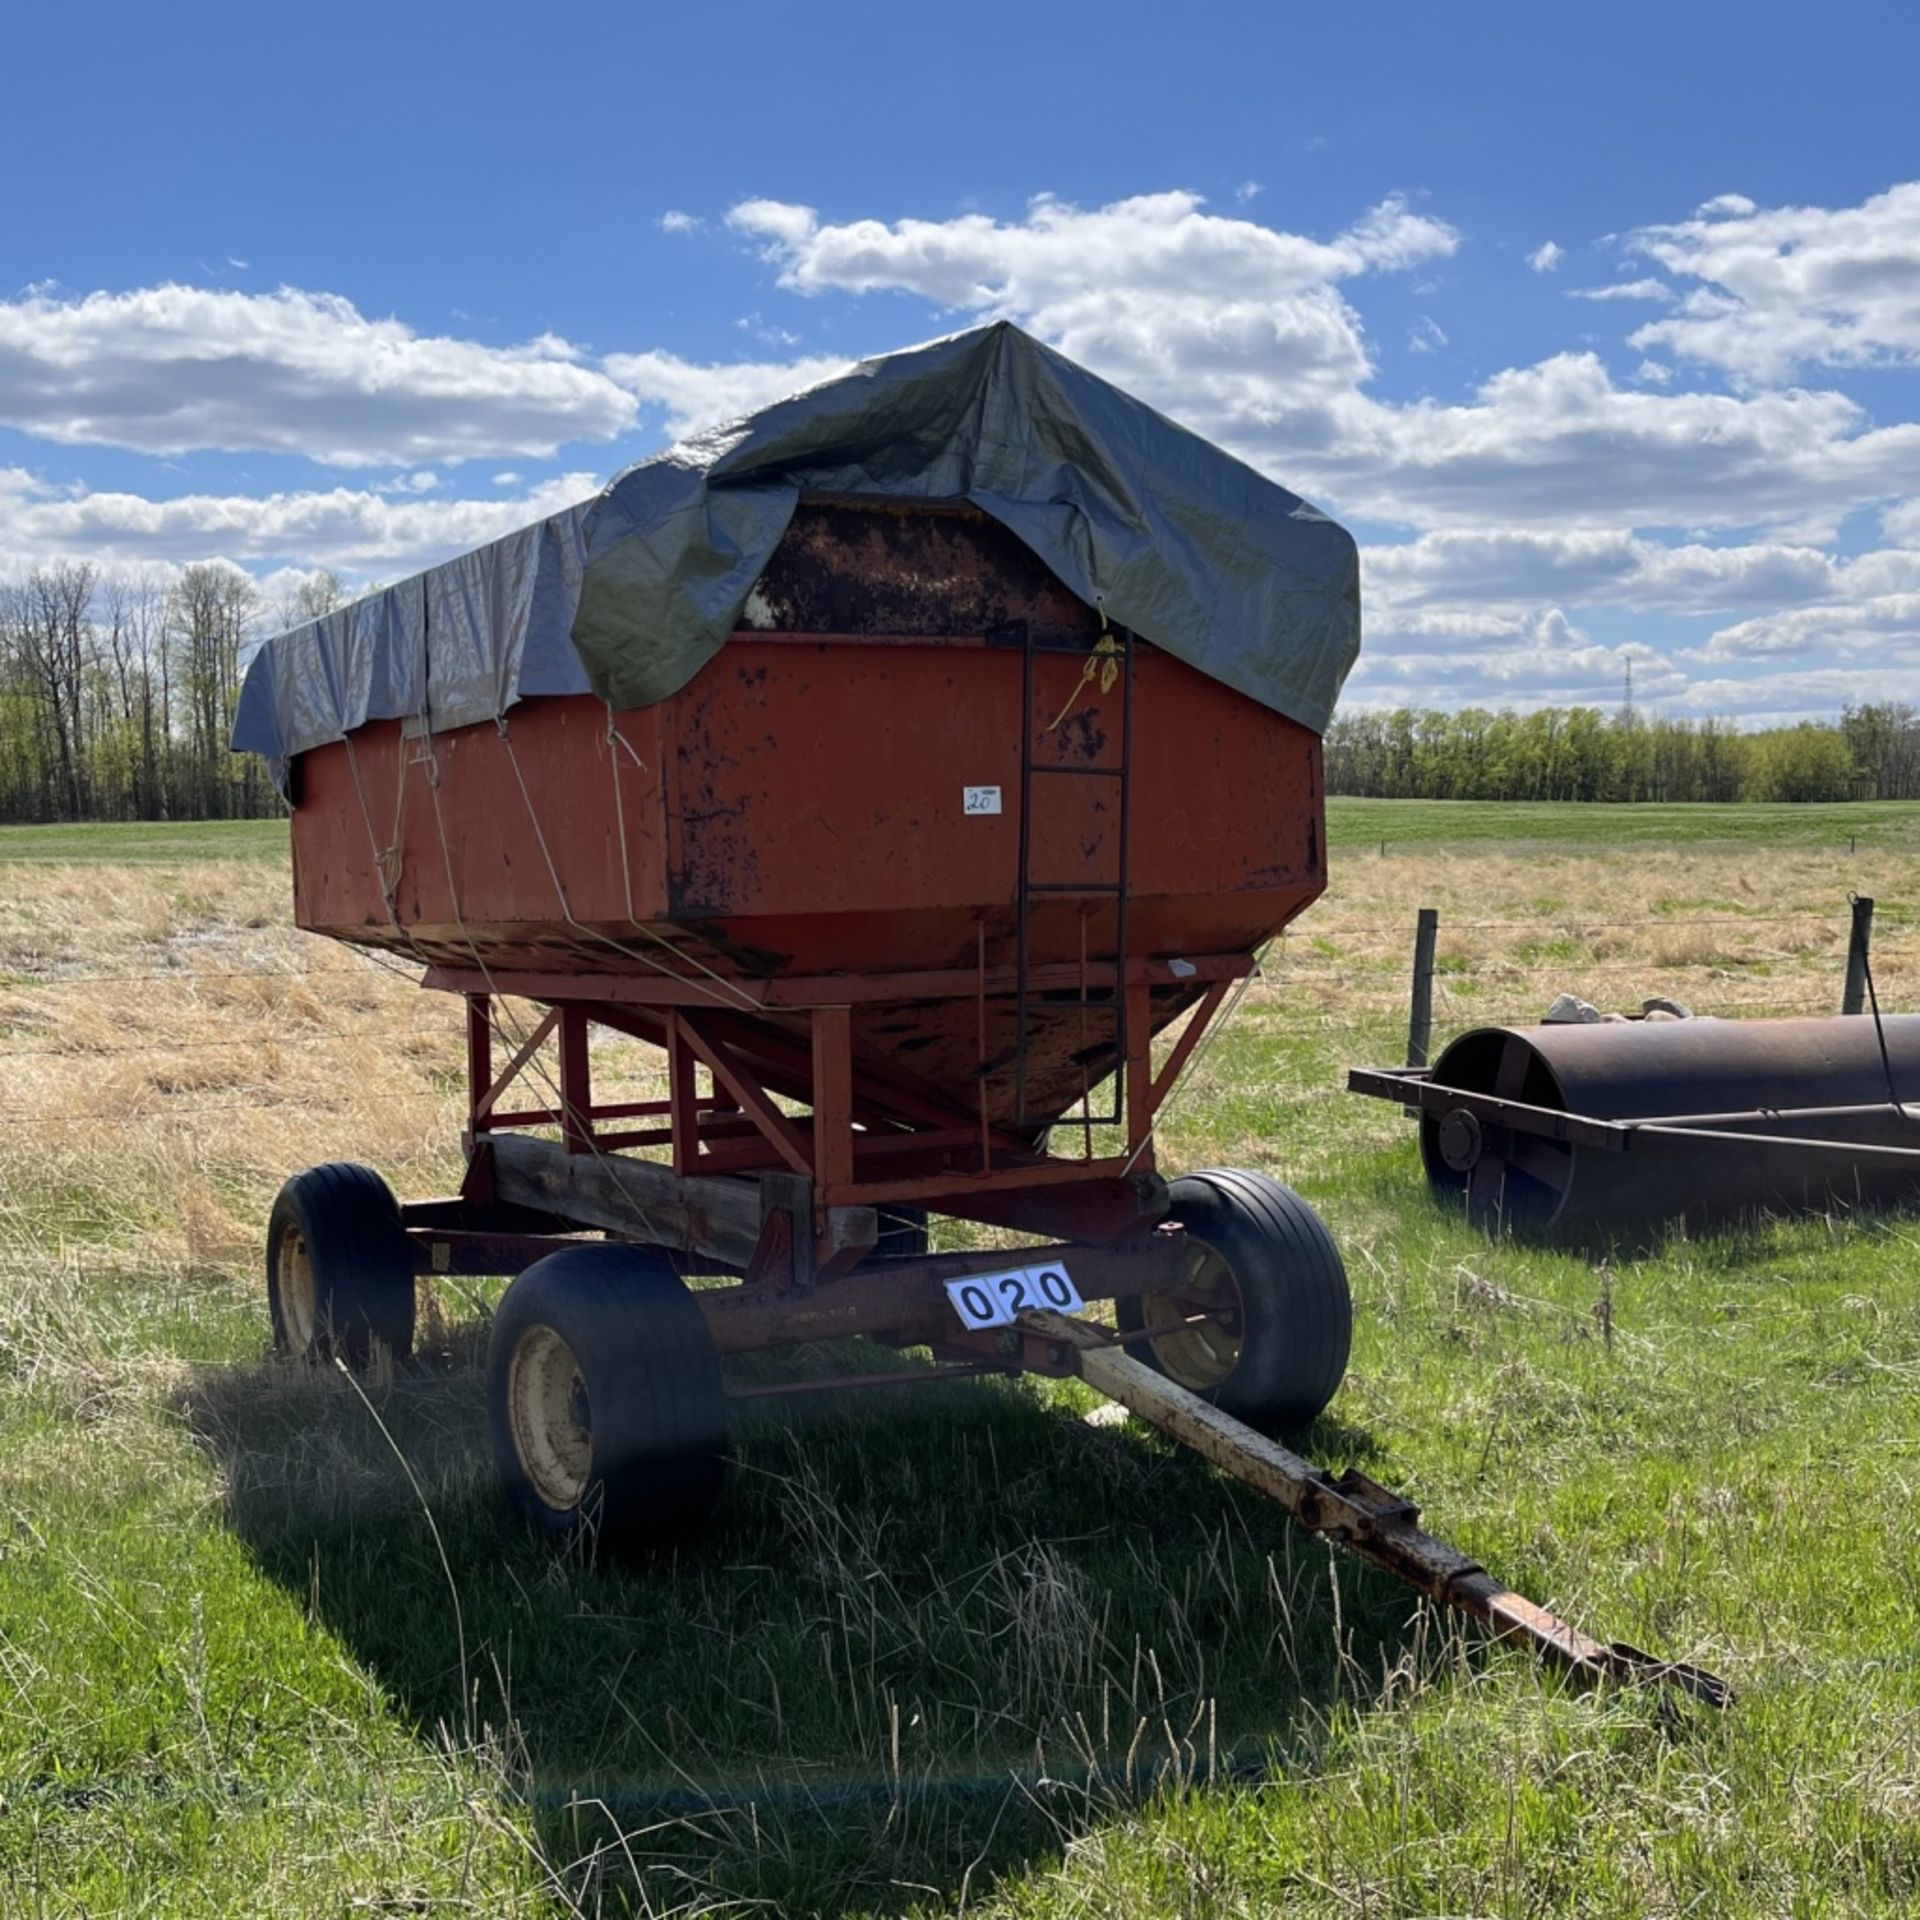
(1361, 1515)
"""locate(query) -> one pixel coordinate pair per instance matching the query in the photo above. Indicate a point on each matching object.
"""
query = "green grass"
(147, 841)
(238, 1671)
(1351, 824)
(960, 1650)
(1355, 825)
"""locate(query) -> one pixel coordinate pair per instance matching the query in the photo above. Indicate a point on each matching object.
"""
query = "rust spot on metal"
(1082, 736)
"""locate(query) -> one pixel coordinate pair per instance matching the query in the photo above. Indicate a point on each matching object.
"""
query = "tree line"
(117, 691)
(1872, 752)
(117, 694)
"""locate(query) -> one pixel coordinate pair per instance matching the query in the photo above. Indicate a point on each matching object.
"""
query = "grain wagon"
(918, 766)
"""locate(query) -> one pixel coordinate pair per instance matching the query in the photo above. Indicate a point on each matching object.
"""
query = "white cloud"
(1507, 568)
(1624, 290)
(1434, 630)
(1886, 570)
(1887, 626)
(174, 369)
(1476, 617)
(1816, 693)
(1901, 522)
(1238, 328)
(357, 531)
(1471, 657)
(1811, 694)
(1248, 190)
(1559, 442)
(1550, 490)
(674, 221)
(696, 395)
(773, 336)
(1781, 288)
(1245, 333)
(1060, 254)
(777, 221)
(1547, 256)
(1580, 672)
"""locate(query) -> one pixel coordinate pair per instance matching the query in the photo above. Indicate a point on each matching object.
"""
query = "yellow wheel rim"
(293, 1281)
(550, 1419)
(1201, 1355)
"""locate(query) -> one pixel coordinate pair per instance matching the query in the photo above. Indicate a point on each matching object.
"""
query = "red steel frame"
(870, 1138)
(809, 1263)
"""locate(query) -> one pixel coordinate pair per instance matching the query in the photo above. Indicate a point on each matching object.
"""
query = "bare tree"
(307, 598)
(135, 623)
(212, 610)
(49, 622)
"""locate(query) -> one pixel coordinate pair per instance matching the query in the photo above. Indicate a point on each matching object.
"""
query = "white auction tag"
(980, 799)
(993, 1299)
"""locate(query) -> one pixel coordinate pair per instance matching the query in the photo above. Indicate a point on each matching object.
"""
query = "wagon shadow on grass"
(935, 1634)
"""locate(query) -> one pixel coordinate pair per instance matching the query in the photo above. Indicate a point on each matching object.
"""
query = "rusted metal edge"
(1772, 1116)
(1414, 1087)
(1853, 1150)
(912, 1376)
(800, 993)
(1363, 1516)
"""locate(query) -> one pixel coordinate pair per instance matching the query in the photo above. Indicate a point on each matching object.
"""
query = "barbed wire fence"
(1531, 961)
(1548, 959)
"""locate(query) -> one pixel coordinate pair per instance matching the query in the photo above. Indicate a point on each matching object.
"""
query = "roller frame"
(1415, 1089)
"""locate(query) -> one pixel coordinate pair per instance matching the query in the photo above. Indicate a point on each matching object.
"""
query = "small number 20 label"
(993, 1299)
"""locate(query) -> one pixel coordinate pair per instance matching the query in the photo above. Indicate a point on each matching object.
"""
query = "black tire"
(1292, 1313)
(904, 1234)
(604, 1400)
(339, 1267)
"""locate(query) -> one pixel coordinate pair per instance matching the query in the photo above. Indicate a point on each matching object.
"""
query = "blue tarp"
(629, 595)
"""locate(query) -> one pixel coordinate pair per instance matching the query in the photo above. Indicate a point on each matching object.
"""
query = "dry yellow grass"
(171, 1047)
(1726, 930)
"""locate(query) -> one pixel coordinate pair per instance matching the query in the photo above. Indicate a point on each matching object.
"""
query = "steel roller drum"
(1740, 1080)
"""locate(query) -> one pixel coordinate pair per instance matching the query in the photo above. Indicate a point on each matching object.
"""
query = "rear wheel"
(1264, 1319)
(339, 1267)
(608, 1417)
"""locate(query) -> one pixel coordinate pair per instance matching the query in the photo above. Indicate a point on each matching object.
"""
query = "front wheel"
(339, 1267)
(1264, 1271)
(604, 1399)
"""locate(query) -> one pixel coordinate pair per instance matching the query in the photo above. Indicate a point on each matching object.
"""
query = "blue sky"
(358, 287)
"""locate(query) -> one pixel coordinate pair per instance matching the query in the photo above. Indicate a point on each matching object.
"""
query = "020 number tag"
(993, 1299)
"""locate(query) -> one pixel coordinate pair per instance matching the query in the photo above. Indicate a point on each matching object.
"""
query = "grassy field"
(269, 1647)
(1888, 824)
(144, 842)
(1351, 825)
